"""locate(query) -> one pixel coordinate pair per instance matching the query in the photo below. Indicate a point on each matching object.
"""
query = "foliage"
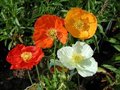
(17, 18)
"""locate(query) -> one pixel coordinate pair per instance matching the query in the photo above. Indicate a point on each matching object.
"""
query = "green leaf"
(117, 47)
(96, 42)
(113, 40)
(101, 29)
(102, 70)
(3, 37)
(117, 36)
(47, 81)
(109, 79)
(64, 0)
(57, 4)
(116, 57)
(10, 45)
(110, 67)
(118, 78)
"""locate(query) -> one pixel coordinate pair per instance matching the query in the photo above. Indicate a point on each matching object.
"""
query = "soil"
(7, 80)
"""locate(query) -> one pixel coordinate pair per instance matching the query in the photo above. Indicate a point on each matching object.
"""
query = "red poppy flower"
(24, 57)
(47, 28)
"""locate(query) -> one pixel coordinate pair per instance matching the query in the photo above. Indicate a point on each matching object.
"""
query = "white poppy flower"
(78, 56)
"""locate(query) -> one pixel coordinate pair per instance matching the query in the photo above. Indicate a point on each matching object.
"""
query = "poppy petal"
(80, 23)
(44, 43)
(47, 28)
(24, 57)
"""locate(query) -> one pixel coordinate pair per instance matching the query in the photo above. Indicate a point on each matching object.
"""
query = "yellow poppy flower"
(80, 23)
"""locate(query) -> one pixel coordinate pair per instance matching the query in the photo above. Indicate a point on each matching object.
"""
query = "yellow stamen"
(26, 56)
(78, 24)
(77, 58)
(52, 33)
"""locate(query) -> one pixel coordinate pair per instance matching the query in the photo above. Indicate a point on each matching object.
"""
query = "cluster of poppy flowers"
(48, 28)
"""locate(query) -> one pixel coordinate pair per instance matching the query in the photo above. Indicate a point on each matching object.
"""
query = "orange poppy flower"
(24, 57)
(47, 28)
(80, 23)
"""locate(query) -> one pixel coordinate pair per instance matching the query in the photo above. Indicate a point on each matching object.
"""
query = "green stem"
(30, 77)
(37, 72)
(78, 82)
(55, 44)
(88, 5)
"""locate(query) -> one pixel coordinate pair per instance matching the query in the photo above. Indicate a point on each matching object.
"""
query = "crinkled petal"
(61, 31)
(62, 35)
(83, 48)
(44, 42)
(13, 56)
(87, 67)
(86, 50)
(77, 46)
(65, 56)
(44, 22)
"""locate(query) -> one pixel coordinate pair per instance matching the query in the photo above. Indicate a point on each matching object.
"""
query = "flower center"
(78, 24)
(52, 33)
(26, 56)
(77, 58)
